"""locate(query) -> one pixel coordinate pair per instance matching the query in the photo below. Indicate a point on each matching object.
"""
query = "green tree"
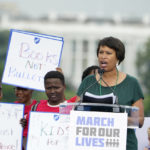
(143, 68)
(4, 38)
(143, 65)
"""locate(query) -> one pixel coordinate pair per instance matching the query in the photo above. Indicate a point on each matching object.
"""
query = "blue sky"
(90, 7)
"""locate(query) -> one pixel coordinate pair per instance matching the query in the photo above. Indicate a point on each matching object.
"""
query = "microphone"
(82, 94)
(101, 71)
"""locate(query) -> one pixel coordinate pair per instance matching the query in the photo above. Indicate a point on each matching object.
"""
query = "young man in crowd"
(54, 83)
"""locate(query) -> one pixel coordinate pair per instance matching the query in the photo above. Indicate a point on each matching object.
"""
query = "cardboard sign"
(142, 135)
(30, 56)
(10, 128)
(48, 131)
(97, 131)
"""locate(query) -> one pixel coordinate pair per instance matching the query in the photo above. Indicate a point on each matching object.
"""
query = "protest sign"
(48, 131)
(10, 128)
(29, 57)
(142, 134)
(97, 131)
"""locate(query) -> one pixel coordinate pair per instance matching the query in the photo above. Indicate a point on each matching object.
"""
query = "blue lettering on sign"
(104, 123)
(24, 75)
(96, 121)
(110, 122)
(80, 120)
(89, 142)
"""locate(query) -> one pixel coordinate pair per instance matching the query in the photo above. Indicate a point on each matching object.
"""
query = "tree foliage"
(143, 65)
(4, 38)
(143, 68)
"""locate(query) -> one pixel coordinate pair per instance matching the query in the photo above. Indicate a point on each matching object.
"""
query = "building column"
(67, 57)
(77, 70)
(91, 56)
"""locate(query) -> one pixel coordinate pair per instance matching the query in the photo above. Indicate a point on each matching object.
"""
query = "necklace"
(116, 80)
(113, 89)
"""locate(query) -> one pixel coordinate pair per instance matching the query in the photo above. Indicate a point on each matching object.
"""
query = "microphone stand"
(81, 96)
(101, 71)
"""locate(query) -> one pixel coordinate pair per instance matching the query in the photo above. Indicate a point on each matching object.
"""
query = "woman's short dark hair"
(88, 70)
(114, 43)
(54, 74)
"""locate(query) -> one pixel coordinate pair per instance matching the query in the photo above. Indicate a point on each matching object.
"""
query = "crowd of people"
(110, 53)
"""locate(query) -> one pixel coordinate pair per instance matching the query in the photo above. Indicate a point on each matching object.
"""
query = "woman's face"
(107, 58)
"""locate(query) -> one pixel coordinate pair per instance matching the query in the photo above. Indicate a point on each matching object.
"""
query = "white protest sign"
(142, 135)
(10, 128)
(30, 56)
(48, 131)
(97, 131)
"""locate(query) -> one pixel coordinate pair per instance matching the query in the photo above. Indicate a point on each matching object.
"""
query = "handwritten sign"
(97, 131)
(10, 128)
(30, 56)
(48, 131)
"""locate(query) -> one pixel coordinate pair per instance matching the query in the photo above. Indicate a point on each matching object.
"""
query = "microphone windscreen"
(101, 71)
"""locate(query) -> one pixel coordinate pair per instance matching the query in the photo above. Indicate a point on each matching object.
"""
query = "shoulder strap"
(33, 108)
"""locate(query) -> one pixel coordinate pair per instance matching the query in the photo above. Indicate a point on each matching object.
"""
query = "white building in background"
(81, 37)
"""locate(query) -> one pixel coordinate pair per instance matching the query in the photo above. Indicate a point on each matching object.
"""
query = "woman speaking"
(110, 53)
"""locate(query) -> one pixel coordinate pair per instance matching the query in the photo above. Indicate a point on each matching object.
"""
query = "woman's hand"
(139, 104)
